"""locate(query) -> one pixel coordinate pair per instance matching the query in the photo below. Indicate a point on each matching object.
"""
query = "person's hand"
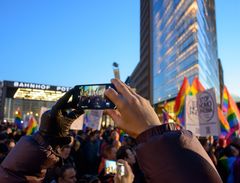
(134, 114)
(55, 123)
(128, 176)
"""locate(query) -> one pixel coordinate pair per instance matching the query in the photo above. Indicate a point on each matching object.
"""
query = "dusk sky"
(66, 43)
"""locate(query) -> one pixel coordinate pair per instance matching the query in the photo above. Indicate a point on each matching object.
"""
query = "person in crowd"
(11, 144)
(166, 153)
(65, 174)
(3, 151)
(126, 153)
(226, 162)
(236, 166)
(90, 154)
(115, 139)
(65, 154)
(208, 147)
(109, 153)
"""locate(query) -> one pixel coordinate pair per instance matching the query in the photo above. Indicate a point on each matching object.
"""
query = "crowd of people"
(150, 151)
(83, 160)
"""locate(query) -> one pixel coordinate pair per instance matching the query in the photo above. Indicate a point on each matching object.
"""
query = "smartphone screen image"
(110, 167)
(92, 96)
(113, 167)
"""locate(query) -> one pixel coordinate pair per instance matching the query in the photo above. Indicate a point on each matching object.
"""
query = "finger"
(116, 116)
(117, 178)
(63, 100)
(122, 89)
(75, 114)
(127, 168)
(114, 97)
(131, 90)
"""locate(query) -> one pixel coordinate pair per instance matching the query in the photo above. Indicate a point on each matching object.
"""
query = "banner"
(93, 119)
(201, 114)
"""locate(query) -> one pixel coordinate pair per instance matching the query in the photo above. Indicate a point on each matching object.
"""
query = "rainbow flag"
(224, 126)
(180, 99)
(32, 126)
(225, 100)
(233, 115)
(18, 119)
(196, 87)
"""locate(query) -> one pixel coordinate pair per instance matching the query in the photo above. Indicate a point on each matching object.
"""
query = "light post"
(116, 70)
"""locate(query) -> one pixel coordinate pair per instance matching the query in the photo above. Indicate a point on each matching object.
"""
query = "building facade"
(221, 80)
(27, 97)
(140, 79)
(183, 43)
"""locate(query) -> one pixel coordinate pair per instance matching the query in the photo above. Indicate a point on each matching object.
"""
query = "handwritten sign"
(201, 114)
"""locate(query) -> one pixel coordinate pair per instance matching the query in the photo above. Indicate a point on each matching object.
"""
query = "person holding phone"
(33, 155)
(123, 177)
(165, 152)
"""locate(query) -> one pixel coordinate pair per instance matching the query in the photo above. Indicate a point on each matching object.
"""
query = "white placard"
(93, 119)
(201, 115)
(77, 123)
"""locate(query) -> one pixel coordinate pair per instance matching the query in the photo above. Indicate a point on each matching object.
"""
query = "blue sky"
(62, 42)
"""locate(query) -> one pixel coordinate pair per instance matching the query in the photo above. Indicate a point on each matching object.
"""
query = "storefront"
(27, 97)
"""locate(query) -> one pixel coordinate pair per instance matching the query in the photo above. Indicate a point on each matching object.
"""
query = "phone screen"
(113, 167)
(110, 167)
(92, 96)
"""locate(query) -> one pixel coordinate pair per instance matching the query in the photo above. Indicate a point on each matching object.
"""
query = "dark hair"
(107, 149)
(61, 170)
(122, 152)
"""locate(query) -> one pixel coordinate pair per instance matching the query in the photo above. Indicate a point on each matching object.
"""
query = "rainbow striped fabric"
(224, 126)
(233, 115)
(18, 119)
(180, 99)
(225, 100)
(196, 87)
(32, 126)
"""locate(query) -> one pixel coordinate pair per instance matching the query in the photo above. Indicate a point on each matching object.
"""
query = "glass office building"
(183, 43)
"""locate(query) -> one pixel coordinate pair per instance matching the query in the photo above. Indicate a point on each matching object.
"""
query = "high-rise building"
(140, 79)
(221, 81)
(183, 44)
(178, 38)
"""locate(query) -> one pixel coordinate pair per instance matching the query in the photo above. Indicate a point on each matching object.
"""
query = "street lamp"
(116, 70)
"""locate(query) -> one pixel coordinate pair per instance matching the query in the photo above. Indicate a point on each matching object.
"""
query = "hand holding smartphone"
(92, 96)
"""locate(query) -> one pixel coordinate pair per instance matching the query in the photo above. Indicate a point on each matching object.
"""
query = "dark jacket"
(168, 155)
(27, 161)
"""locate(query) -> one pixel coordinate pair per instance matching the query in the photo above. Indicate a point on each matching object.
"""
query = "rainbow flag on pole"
(180, 99)
(196, 87)
(231, 109)
(18, 119)
(224, 126)
(32, 126)
(225, 100)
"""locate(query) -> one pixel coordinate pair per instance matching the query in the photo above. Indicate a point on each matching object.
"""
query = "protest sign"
(77, 123)
(93, 119)
(201, 114)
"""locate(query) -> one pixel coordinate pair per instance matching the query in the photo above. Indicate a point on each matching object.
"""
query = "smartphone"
(92, 96)
(113, 167)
